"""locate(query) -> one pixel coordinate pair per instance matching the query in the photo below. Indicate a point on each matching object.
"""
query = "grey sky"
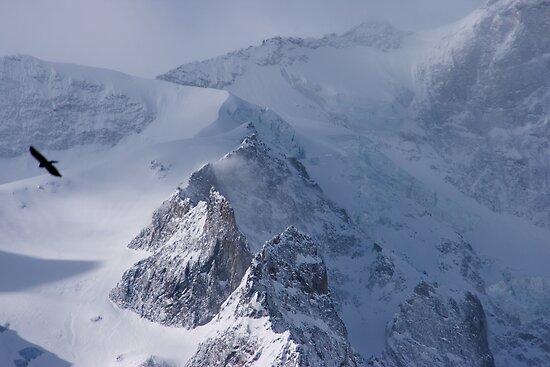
(148, 37)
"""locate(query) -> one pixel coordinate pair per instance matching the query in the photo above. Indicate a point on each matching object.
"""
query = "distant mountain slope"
(475, 92)
(57, 107)
(485, 105)
(359, 78)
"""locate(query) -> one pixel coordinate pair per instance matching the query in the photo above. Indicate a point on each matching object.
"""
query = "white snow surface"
(63, 241)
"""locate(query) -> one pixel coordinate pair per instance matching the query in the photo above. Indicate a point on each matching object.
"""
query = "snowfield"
(63, 240)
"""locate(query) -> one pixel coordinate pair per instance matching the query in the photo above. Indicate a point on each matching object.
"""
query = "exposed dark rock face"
(187, 279)
(431, 330)
(282, 314)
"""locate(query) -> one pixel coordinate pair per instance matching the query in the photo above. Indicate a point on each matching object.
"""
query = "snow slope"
(63, 240)
(361, 78)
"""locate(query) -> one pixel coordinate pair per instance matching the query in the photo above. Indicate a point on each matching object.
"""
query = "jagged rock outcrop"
(187, 279)
(433, 330)
(520, 321)
(282, 314)
(165, 222)
(484, 101)
(41, 102)
(270, 192)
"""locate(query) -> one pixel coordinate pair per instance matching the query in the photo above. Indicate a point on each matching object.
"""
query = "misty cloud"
(147, 37)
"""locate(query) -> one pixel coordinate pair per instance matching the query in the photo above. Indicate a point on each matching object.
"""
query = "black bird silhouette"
(48, 165)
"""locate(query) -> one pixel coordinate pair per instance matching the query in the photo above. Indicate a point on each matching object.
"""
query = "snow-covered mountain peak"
(285, 52)
(192, 272)
(293, 251)
(329, 210)
(271, 191)
(282, 313)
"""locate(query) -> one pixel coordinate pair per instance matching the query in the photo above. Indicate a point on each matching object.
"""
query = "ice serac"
(433, 330)
(60, 106)
(187, 279)
(484, 104)
(282, 314)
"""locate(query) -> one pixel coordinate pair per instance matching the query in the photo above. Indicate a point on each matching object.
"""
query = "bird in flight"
(48, 165)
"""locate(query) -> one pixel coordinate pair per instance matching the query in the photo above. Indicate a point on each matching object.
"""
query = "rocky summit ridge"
(185, 281)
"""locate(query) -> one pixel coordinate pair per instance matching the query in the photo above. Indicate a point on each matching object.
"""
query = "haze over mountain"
(147, 37)
(373, 197)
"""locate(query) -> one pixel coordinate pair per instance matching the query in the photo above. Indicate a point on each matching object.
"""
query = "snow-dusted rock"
(520, 321)
(484, 105)
(223, 71)
(481, 96)
(187, 279)
(164, 224)
(433, 330)
(43, 104)
(270, 192)
(376, 34)
(282, 314)
(154, 361)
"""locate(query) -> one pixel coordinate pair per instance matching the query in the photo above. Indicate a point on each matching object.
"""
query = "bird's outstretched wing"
(48, 165)
(39, 157)
(53, 171)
